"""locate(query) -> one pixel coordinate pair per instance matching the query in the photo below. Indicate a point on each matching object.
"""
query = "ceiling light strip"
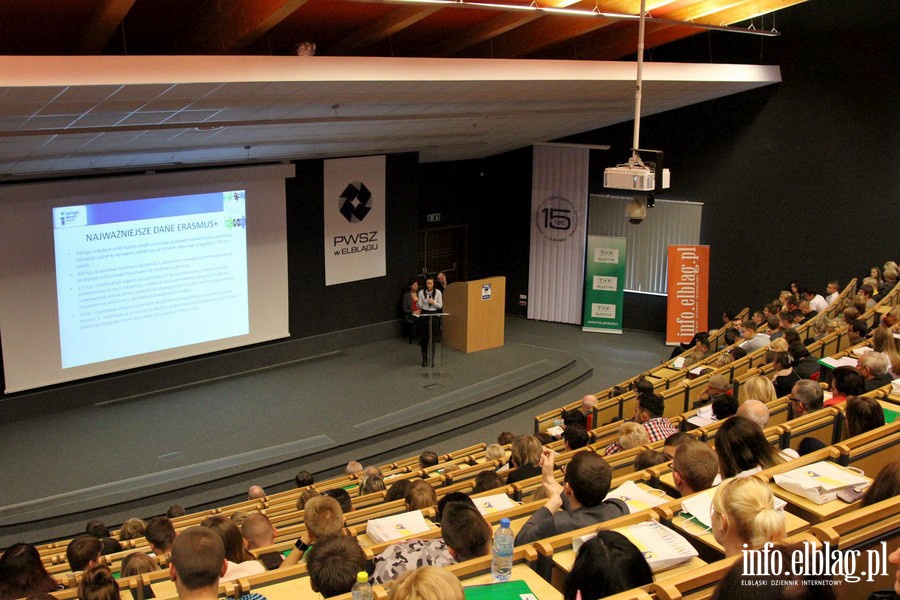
(574, 12)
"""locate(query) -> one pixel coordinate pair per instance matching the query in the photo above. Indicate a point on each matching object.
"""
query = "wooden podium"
(477, 314)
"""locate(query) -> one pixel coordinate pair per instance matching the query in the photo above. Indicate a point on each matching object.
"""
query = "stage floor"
(362, 402)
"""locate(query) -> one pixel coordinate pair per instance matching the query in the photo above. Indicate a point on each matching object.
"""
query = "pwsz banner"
(354, 219)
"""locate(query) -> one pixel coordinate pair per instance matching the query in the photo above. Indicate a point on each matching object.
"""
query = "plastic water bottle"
(502, 552)
(361, 590)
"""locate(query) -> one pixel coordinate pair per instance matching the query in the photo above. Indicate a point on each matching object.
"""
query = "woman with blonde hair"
(744, 515)
(632, 435)
(883, 341)
(495, 452)
(369, 484)
(427, 583)
(757, 388)
(131, 529)
(525, 458)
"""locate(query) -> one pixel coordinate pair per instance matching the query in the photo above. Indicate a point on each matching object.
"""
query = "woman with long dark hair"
(606, 565)
(742, 446)
(22, 573)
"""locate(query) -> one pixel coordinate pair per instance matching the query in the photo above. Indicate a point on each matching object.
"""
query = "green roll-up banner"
(604, 282)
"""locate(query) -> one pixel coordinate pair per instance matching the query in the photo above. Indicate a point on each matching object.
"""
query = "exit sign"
(433, 218)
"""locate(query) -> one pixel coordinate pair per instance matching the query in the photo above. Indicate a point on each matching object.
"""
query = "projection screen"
(103, 275)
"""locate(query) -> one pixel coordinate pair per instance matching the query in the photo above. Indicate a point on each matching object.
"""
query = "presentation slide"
(143, 275)
(100, 275)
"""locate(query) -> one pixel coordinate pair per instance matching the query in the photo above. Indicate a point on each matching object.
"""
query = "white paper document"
(395, 527)
(636, 498)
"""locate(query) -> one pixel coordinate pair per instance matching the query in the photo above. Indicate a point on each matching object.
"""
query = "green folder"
(890, 416)
(508, 590)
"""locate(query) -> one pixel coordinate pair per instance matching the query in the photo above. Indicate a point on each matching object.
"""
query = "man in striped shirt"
(648, 411)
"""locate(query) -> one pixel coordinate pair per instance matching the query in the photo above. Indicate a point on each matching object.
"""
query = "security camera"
(636, 210)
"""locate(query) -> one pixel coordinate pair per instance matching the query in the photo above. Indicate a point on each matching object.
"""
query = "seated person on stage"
(198, 561)
(259, 532)
(606, 565)
(466, 535)
(333, 564)
(648, 411)
(322, 516)
(240, 562)
(744, 516)
(430, 301)
(525, 459)
(578, 503)
(694, 467)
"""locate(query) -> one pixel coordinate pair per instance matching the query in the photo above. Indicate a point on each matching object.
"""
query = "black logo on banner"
(556, 218)
(356, 202)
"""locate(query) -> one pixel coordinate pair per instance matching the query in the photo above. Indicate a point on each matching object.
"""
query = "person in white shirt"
(834, 290)
(816, 301)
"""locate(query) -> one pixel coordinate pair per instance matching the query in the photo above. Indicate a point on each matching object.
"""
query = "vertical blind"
(669, 222)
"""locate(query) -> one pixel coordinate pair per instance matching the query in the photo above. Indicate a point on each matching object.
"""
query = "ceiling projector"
(635, 177)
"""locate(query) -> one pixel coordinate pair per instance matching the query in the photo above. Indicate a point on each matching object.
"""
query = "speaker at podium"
(477, 314)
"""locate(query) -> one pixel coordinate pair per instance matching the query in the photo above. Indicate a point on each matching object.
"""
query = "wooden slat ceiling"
(350, 27)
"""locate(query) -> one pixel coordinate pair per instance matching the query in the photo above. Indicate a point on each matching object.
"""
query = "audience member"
(884, 343)
(256, 493)
(857, 332)
(175, 511)
(495, 452)
(674, 441)
(606, 565)
(574, 417)
(138, 563)
(863, 414)
(466, 535)
(83, 552)
(420, 495)
(724, 406)
(833, 290)
(259, 532)
(649, 458)
(131, 529)
(742, 448)
(343, 498)
(744, 515)
(524, 460)
(109, 545)
(322, 516)
(784, 376)
(588, 403)
(98, 583)
(648, 411)
(716, 386)
(694, 467)
(428, 459)
(756, 411)
(885, 485)
(305, 496)
(457, 497)
(198, 561)
(850, 315)
(397, 491)
(333, 565)
(845, 382)
(578, 503)
(487, 480)
(804, 365)
(303, 479)
(97, 529)
(427, 583)
(873, 367)
(632, 435)
(238, 517)
(160, 534)
(796, 586)
(506, 438)
(700, 351)
(370, 484)
(22, 573)
(353, 467)
(806, 396)
(240, 562)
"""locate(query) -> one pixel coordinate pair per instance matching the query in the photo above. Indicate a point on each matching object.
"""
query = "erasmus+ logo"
(355, 202)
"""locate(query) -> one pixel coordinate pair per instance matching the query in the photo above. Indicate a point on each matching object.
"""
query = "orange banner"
(688, 290)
